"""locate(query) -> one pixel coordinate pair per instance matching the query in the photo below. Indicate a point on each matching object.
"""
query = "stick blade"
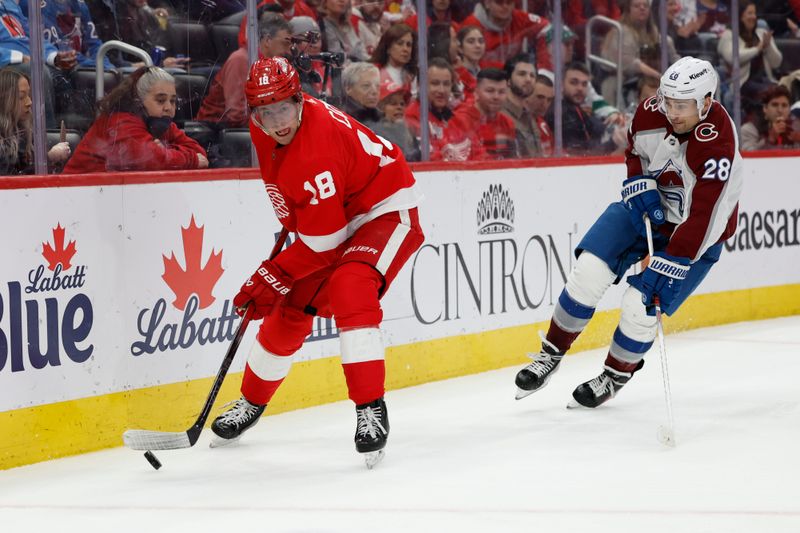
(142, 439)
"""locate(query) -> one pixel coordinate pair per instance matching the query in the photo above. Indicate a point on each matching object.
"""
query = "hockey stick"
(666, 433)
(142, 439)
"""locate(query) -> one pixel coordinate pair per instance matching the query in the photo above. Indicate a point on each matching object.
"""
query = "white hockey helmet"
(688, 78)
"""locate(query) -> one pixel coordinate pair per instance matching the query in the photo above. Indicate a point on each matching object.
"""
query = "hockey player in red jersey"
(685, 175)
(350, 198)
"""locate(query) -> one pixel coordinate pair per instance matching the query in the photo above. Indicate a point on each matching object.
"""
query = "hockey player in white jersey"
(684, 172)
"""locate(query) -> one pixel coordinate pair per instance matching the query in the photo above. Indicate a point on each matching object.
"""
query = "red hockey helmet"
(271, 80)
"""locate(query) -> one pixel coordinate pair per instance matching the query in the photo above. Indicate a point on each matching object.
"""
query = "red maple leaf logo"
(194, 279)
(57, 253)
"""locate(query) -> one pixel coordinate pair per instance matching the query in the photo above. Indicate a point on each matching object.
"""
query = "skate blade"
(373, 458)
(219, 442)
(522, 393)
(573, 404)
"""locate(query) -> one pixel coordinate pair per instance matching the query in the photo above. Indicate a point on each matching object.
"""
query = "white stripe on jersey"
(400, 200)
(393, 244)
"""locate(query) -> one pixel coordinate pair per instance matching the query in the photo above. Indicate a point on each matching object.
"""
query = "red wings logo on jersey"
(13, 26)
(651, 104)
(277, 200)
(706, 132)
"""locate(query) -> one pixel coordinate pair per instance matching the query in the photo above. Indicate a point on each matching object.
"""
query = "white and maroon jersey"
(699, 175)
(333, 177)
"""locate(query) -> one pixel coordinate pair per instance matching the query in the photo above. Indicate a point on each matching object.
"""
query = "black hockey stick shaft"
(194, 432)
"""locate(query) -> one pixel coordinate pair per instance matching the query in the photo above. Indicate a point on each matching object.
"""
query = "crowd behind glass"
(487, 70)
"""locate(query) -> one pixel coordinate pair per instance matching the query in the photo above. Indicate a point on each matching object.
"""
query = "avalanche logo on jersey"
(671, 187)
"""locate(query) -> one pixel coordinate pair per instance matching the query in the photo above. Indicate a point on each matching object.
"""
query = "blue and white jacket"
(14, 41)
(70, 21)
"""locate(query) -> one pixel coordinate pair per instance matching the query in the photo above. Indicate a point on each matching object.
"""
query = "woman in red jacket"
(135, 131)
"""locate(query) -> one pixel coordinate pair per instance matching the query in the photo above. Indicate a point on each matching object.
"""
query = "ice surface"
(464, 456)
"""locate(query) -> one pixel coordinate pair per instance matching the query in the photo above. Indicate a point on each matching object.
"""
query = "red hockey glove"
(266, 287)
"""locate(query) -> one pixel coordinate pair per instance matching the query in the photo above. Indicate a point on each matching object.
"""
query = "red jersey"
(498, 134)
(121, 142)
(699, 175)
(504, 43)
(332, 178)
(448, 140)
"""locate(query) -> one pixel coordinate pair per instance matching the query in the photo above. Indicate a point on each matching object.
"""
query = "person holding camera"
(225, 105)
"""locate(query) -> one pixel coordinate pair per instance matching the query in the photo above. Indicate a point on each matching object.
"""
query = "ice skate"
(372, 430)
(536, 375)
(229, 426)
(599, 390)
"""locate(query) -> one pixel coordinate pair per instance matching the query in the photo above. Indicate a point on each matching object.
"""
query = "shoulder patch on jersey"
(533, 17)
(651, 104)
(277, 200)
(706, 132)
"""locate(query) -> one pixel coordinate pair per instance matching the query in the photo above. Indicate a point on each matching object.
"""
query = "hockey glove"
(662, 278)
(265, 288)
(640, 196)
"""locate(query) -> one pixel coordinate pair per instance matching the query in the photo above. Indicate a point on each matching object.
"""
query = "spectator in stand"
(288, 8)
(539, 104)
(138, 24)
(306, 39)
(443, 42)
(794, 116)
(471, 48)
(782, 16)
(396, 55)
(15, 53)
(682, 32)
(641, 50)
(758, 56)
(714, 15)
(485, 116)
(771, 129)
(16, 127)
(369, 23)
(583, 134)
(225, 105)
(521, 72)
(134, 130)
(594, 102)
(69, 27)
(360, 81)
(338, 31)
(448, 140)
(505, 28)
(437, 11)
(392, 105)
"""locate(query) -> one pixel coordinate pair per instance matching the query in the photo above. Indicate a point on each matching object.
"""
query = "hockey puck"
(152, 459)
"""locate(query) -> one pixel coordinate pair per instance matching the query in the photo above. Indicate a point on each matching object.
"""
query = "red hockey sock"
(560, 338)
(620, 366)
(365, 380)
(256, 390)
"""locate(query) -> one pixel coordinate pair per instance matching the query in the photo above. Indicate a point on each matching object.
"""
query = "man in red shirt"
(449, 141)
(351, 199)
(505, 28)
(495, 129)
(225, 104)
